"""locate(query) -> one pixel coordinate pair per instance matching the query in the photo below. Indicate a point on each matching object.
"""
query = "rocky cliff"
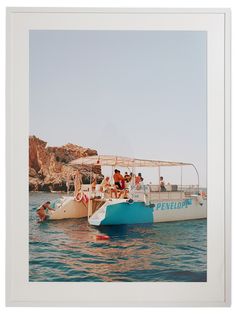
(49, 167)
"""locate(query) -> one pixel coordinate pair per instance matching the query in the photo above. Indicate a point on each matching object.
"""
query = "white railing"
(189, 189)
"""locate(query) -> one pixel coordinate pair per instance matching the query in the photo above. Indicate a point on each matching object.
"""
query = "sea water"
(68, 250)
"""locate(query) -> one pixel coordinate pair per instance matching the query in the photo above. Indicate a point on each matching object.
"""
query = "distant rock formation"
(49, 167)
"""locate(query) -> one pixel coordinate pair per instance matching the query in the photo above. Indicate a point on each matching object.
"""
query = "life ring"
(79, 196)
(85, 199)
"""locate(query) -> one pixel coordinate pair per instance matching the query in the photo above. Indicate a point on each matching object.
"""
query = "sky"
(139, 94)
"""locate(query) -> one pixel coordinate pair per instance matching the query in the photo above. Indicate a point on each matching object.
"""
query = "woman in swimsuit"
(41, 211)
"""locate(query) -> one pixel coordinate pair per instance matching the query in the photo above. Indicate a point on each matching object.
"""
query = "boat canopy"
(109, 160)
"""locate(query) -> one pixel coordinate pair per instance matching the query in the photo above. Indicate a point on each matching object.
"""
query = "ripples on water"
(67, 250)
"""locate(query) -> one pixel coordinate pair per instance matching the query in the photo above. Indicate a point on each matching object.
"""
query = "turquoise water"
(69, 251)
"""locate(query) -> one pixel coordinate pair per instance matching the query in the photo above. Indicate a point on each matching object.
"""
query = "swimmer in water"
(41, 211)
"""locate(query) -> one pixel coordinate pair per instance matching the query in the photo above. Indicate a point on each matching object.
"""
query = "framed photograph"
(118, 157)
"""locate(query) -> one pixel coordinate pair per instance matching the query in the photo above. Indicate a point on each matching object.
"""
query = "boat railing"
(189, 189)
(173, 191)
(152, 191)
(164, 195)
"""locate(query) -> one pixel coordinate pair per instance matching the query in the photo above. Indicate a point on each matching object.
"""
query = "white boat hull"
(122, 212)
(67, 207)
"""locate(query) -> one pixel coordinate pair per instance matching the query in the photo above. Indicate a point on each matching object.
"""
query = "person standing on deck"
(122, 180)
(162, 185)
(94, 184)
(117, 179)
(138, 179)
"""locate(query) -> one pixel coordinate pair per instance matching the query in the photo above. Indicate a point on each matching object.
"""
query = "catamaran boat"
(139, 204)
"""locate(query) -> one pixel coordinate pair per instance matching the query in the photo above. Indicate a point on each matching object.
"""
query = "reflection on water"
(69, 251)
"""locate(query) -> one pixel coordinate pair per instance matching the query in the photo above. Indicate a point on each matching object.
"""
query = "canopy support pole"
(181, 181)
(159, 174)
(197, 177)
(112, 172)
(90, 202)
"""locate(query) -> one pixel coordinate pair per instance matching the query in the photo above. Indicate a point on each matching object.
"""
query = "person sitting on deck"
(162, 185)
(127, 177)
(41, 211)
(106, 187)
(128, 182)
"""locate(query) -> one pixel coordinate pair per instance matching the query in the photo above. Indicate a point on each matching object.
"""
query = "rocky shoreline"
(49, 167)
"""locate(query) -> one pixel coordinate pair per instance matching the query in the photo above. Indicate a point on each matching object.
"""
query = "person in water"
(42, 211)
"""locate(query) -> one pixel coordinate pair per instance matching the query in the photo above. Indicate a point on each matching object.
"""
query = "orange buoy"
(102, 237)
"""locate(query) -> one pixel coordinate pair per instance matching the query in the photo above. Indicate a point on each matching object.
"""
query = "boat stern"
(118, 212)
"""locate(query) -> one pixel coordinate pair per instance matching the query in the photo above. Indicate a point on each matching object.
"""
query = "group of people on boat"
(122, 184)
(119, 189)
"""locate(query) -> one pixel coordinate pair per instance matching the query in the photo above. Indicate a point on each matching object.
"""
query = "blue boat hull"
(122, 212)
(125, 213)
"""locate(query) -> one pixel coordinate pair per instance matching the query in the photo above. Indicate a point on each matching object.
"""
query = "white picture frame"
(216, 291)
